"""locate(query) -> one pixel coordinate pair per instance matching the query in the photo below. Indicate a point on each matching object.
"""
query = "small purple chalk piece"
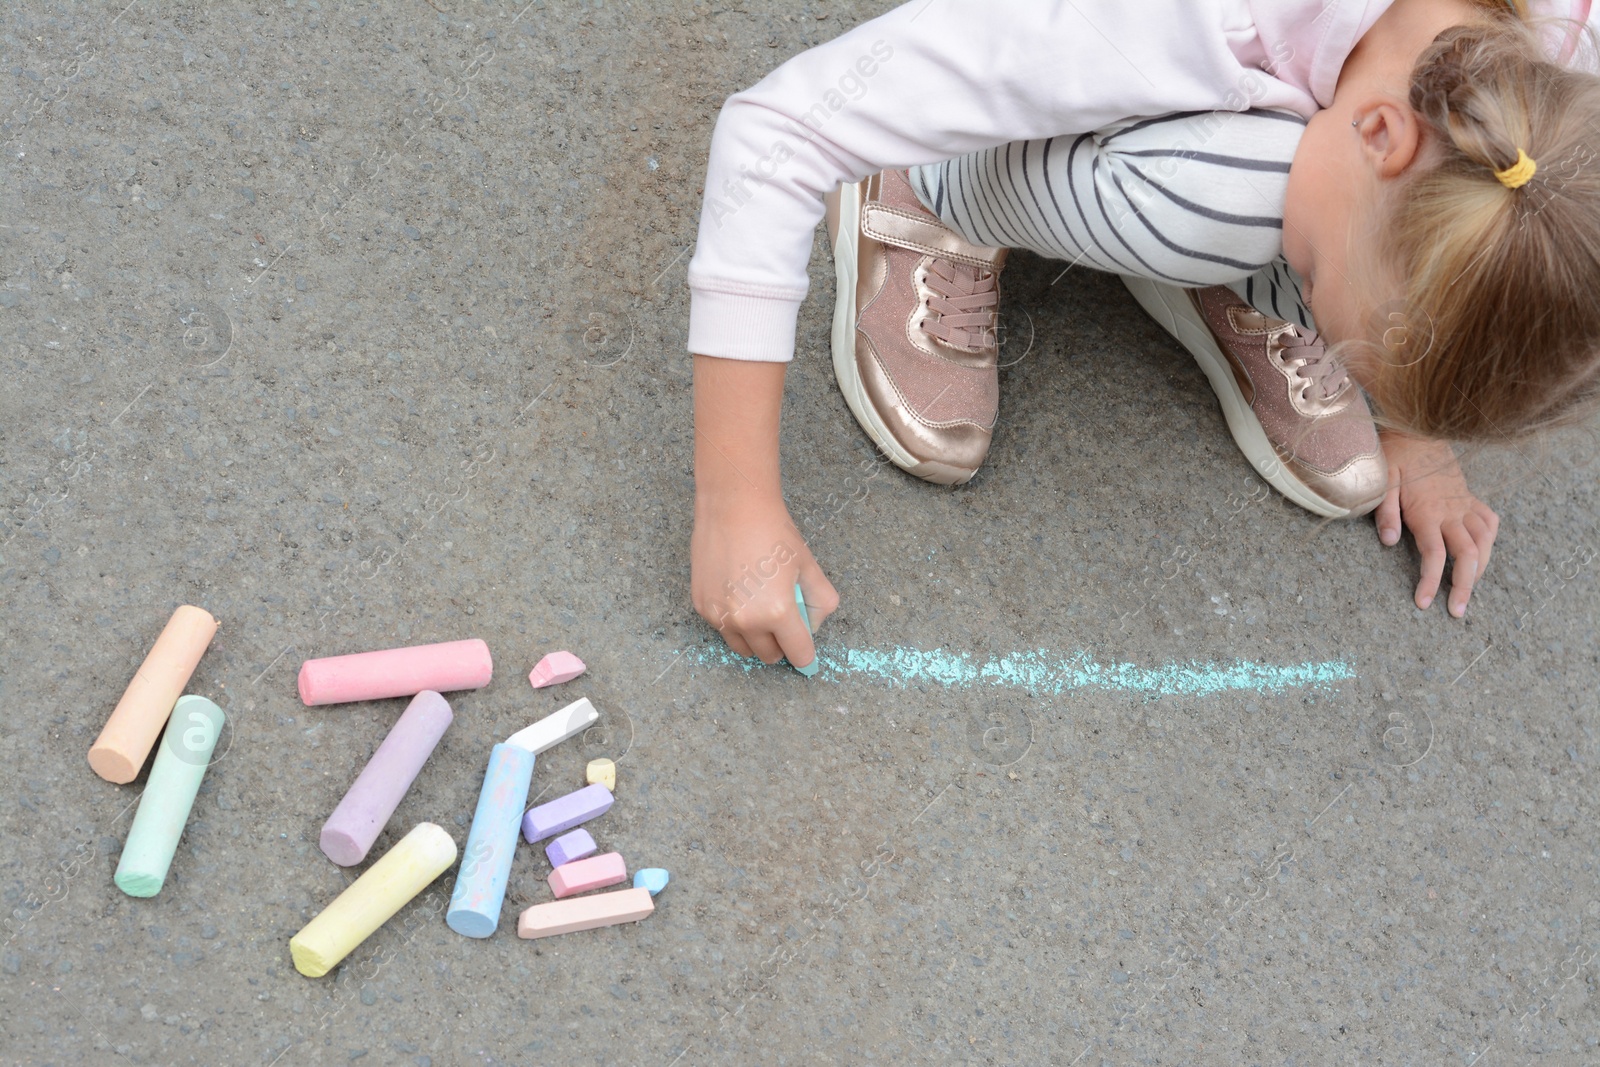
(564, 813)
(569, 847)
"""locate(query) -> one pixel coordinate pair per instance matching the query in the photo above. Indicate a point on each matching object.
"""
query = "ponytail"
(1496, 240)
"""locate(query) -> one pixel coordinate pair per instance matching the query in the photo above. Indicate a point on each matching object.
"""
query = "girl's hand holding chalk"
(745, 564)
(746, 554)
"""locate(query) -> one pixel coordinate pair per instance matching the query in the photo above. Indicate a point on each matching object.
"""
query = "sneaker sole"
(846, 257)
(1173, 309)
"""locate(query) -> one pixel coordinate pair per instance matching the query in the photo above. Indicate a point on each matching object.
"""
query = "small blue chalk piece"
(810, 669)
(651, 878)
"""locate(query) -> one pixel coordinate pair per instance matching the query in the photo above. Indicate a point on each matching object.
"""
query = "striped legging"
(1191, 200)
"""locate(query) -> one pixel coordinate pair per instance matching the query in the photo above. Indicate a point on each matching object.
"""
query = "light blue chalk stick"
(652, 878)
(569, 847)
(810, 669)
(491, 843)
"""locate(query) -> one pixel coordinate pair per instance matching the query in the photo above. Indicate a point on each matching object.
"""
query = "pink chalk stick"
(580, 876)
(556, 668)
(396, 672)
(585, 913)
(348, 834)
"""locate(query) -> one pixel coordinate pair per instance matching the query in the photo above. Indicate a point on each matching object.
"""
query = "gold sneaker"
(1293, 410)
(914, 339)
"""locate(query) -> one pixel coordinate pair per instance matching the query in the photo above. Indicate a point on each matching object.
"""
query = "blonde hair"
(1501, 311)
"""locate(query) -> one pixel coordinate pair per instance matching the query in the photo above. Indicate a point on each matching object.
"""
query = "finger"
(1431, 545)
(765, 646)
(1482, 531)
(1387, 516)
(795, 640)
(822, 599)
(736, 641)
(1464, 571)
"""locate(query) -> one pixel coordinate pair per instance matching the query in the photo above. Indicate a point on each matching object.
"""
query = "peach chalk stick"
(396, 672)
(554, 669)
(362, 814)
(120, 750)
(372, 900)
(580, 876)
(585, 913)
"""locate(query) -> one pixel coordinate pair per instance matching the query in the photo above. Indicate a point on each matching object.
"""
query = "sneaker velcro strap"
(919, 233)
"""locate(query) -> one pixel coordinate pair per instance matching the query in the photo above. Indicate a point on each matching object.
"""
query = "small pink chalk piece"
(596, 872)
(556, 668)
(585, 913)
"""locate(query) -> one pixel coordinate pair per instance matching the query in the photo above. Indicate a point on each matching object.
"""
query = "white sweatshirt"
(934, 79)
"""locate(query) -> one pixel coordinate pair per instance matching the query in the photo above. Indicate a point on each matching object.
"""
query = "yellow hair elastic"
(1519, 173)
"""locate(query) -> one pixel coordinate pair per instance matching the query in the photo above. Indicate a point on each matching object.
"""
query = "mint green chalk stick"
(181, 761)
(810, 669)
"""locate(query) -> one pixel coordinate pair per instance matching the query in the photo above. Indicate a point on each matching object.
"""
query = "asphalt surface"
(362, 325)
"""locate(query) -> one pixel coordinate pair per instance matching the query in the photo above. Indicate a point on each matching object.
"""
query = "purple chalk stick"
(569, 847)
(360, 817)
(564, 813)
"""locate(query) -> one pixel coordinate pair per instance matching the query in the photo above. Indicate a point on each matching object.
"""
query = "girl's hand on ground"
(745, 556)
(1428, 493)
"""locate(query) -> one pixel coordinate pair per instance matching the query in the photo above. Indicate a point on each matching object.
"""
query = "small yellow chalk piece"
(602, 772)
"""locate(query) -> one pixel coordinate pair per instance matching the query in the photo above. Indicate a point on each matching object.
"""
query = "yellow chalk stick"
(371, 900)
(602, 772)
(130, 733)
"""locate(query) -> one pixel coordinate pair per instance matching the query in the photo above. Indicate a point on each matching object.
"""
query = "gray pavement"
(362, 325)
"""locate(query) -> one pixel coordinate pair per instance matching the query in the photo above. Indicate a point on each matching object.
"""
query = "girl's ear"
(1391, 135)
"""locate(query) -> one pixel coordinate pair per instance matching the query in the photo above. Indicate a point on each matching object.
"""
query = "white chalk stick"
(555, 728)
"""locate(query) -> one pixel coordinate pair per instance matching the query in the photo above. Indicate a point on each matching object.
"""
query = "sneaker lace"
(1313, 364)
(962, 314)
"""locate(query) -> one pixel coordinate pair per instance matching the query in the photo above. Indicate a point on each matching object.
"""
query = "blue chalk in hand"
(810, 669)
(651, 878)
(564, 813)
(569, 847)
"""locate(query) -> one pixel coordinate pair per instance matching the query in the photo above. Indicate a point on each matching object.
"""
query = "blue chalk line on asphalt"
(1044, 671)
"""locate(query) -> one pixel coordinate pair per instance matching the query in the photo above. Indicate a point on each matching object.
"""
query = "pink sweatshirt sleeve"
(1565, 37)
(934, 79)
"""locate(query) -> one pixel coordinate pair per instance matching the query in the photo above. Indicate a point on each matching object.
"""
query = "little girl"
(1445, 111)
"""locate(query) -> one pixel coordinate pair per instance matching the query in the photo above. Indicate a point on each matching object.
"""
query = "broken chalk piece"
(596, 872)
(491, 843)
(556, 727)
(396, 672)
(168, 797)
(372, 900)
(564, 813)
(601, 772)
(810, 669)
(585, 913)
(131, 731)
(652, 878)
(555, 668)
(355, 824)
(569, 847)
